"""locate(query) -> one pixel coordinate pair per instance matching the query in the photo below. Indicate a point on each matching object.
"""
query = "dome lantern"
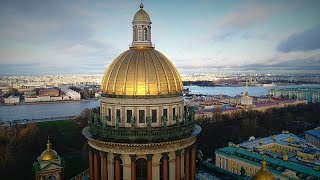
(141, 29)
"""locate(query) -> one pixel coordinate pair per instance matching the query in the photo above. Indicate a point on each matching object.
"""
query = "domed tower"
(49, 165)
(143, 131)
(263, 174)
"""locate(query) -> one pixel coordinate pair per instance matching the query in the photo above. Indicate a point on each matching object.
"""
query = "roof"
(239, 153)
(315, 133)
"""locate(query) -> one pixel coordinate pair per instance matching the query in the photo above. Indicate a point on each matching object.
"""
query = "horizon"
(234, 36)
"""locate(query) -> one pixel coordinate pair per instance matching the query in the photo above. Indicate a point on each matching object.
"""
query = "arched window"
(141, 169)
(121, 167)
(135, 34)
(51, 177)
(161, 169)
(139, 33)
(145, 34)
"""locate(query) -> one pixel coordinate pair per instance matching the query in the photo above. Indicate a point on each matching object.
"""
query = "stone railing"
(82, 176)
(177, 131)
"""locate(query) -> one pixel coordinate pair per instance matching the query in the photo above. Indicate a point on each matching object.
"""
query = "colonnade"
(180, 164)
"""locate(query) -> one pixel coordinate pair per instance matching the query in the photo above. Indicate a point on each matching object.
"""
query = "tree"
(242, 172)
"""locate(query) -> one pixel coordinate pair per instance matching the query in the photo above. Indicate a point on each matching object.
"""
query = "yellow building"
(286, 157)
(143, 130)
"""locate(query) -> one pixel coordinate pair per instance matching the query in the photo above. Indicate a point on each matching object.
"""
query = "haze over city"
(63, 37)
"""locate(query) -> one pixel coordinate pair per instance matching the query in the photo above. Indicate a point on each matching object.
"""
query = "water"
(51, 110)
(233, 91)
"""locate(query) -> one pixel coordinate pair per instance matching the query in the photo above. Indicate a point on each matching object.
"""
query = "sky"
(39, 37)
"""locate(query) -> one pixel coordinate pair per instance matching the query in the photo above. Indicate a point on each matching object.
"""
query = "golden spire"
(141, 5)
(48, 144)
(247, 88)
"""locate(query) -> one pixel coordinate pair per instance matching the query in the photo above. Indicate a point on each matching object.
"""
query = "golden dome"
(141, 15)
(49, 154)
(141, 72)
(263, 174)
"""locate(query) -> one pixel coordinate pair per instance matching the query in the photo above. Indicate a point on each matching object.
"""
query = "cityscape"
(230, 91)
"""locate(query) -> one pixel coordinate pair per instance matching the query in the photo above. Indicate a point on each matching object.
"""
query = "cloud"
(247, 15)
(302, 41)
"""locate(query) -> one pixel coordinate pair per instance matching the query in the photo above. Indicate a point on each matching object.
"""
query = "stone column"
(117, 174)
(165, 172)
(133, 166)
(90, 163)
(187, 163)
(193, 162)
(104, 166)
(178, 164)
(96, 165)
(110, 166)
(149, 166)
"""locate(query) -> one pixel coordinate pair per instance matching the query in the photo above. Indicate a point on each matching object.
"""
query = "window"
(118, 113)
(154, 115)
(141, 169)
(165, 112)
(179, 111)
(173, 112)
(129, 115)
(51, 177)
(145, 34)
(109, 113)
(141, 116)
(139, 33)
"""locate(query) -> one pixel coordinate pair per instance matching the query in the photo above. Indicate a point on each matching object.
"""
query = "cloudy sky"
(68, 36)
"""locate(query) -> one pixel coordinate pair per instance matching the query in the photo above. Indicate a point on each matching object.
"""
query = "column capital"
(117, 157)
(178, 152)
(165, 155)
(187, 150)
(149, 156)
(133, 157)
(103, 154)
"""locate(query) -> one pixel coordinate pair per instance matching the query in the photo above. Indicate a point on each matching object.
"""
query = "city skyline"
(42, 37)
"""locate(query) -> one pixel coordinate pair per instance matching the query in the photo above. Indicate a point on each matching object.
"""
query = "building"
(313, 136)
(302, 93)
(49, 92)
(143, 131)
(286, 155)
(49, 165)
(246, 100)
(12, 100)
(70, 94)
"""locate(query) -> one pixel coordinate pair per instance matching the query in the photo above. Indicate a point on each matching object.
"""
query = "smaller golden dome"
(263, 174)
(141, 15)
(49, 154)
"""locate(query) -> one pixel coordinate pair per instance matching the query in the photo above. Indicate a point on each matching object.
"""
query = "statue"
(117, 122)
(104, 121)
(149, 122)
(132, 122)
(175, 117)
(90, 117)
(95, 119)
(164, 120)
(192, 113)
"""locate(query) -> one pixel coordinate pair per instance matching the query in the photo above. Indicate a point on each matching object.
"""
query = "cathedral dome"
(141, 72)
(49, 154)
(141, 15)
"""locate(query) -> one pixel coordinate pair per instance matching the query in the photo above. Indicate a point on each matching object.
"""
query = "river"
(49, 110)
(54, 110)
